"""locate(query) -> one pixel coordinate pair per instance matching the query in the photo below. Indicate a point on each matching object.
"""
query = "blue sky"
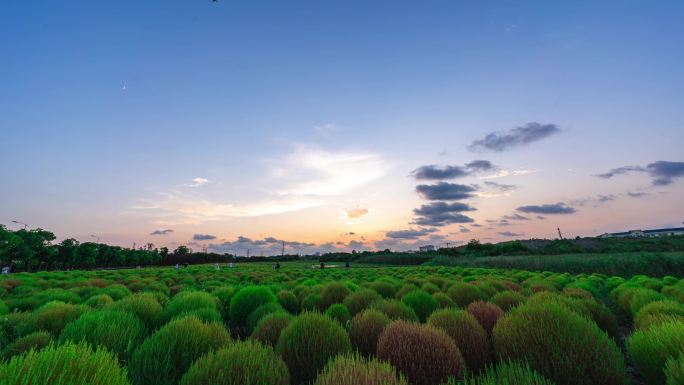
(294, 114)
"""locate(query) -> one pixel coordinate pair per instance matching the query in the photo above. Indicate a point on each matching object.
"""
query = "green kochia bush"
(365, 330)
(143, 305)
(188, 302)
(657, 309)
(246, 300)
(463, 294)
(674, 370)
(307, 344)
(360, 300)
(470, 337)
(67, 364)
(269, 328)
(241, 363)
(259, 313)
(120, 332)
(426, 355)
(508, 299)
(422, 303)
(508, 373)
(98, 301)
(333, 293)
(288, 301)
(562, 345)
(36, 340)
(339, 313)
(165, 356)
(650, 349)
(395, 310)
(53, 316)
(354, 369)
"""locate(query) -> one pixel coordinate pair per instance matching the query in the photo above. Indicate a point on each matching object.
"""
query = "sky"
(338, 126)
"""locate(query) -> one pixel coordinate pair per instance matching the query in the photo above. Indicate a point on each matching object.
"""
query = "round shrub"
(312, 302)
(424, 354)
(120, 332)
(508, 299)
(53, 316)
(365, 330)
(241, 363)
(224, 295)
(259, 313)
(204, 314)
(3, 308)
(246, 300)
(385, 289)
(354, 369)
(143, 305)
(511, 373)
(187, 302)
(674, 370)
(395, 310)
(641, 297)
(288, 301)
(36, 341)
(308, 342)
(117, 291)
(360, 300)
(667, 307)
(486, 313)
(333, 293)
(650, 349)
(98, 301)
(166, 355)
(422, 303)
(66, 364)
(443, 300)
(470, 337)
(269, 328)
(463, 294)
(562, 345)
(339, 313)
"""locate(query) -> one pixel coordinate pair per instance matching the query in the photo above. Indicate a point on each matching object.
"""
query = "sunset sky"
(349, 125)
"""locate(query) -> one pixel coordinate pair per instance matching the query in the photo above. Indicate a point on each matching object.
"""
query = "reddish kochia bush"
(486, 313)
(469, 336)
(365, 330)
(426, 355)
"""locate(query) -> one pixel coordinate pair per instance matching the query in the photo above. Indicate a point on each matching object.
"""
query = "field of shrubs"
(298, 325)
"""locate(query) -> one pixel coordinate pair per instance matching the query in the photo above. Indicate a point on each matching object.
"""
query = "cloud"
(356, 213)
(196, 182)
(442, 213)
(445, 191)
(510, 234)
(502, 173)
(605, 198)
(203, 237)
(409, 234)
(636, 194)
(161, 232)
(496, 190)
(463, 229)
(555, 208)
(662, 172)
(515, 217)
(515, 137)
(350, 233)
(273, 246)
(434, 172)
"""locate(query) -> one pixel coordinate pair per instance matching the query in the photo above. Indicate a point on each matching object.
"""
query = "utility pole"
(447, 245)
(282, 252)
(247, 253)
(559, 234)
(96, 237)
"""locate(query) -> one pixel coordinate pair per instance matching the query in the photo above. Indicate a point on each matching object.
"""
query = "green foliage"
(36, 340)
(650, 349)
(562, 345)
(421, 302)
(511, 373)
(463, 294)
(508, 299)
(365, 330)
(384, 288)
(246, 300)
(98, 301)
(188, 302)
(487, 314)
(288, 301)
(333, 293)
(259, 313)
(241, 363)
(166, 355)
(224, 294)
(53, 316)
(120, 332)
(269, 328)
(360, 300)
(470, 337)
(143, 305)
(67, 364)
(308, 342)
(339, 313)
(657, 308)
(674, 370)
(424, 354)
(3, 308)
(354, 369)
(395, 310)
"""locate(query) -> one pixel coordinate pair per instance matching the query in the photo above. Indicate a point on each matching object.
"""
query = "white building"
(427, 248)
(645, 233)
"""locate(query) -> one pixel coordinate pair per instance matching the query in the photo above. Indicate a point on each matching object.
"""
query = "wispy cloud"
(515, 137)
(196, 182)
(510, 234)
(410, 233)
(356, 213)
(662, 172)
(554, 208)
(203, 237)
(161, 232)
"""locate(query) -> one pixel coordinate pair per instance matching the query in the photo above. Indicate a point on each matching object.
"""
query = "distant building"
(426, 248)
(645, 233)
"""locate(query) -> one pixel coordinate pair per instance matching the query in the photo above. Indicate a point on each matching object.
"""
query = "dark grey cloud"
(516, 217)
(636, 194)
(203, 237)
(410, 233)
(442, 213)
(662, 172)
(161, 232)
(510, 234)
(475, 225)
(463, 229)
(500, 186)
(434, 172)
(605, 198)
(518, 136)
(444, 191)
(554, 208)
